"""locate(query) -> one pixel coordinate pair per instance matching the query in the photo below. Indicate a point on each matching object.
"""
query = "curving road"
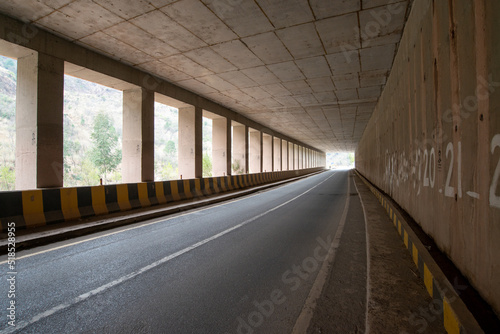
(244, 266)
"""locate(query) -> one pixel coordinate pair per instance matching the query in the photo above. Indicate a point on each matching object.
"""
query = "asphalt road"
(244, 266)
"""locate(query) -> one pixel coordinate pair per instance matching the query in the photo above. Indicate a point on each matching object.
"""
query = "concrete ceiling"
(311, 69)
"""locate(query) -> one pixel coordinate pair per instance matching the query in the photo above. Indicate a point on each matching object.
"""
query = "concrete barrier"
(34, 208)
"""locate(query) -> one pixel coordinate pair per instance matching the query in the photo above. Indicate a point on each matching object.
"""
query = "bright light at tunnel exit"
(340, 160)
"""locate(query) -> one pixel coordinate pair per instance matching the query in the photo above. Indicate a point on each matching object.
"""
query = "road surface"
(243, 266)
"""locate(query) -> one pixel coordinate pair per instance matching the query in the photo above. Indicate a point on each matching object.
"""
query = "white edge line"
(368, 283)
(307, 312)
(82, 297)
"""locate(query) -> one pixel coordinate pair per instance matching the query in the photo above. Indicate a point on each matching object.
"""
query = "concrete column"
(267, 153)
(138, 136)
(284, 155)
(240, 147)
(299, 153)
(277, 154)
(247, 149)
(39, 122)
(190, 142)
(296, 157)
(255, 151)
(291, 156)
(221, 146)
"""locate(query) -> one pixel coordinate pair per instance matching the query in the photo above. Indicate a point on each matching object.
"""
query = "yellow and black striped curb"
(452, 310)
(34, 208)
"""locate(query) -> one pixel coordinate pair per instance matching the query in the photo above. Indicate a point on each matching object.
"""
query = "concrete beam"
(277, 154)
(221, 147)
(284, 155)
(240, 148)
(267, 153)
(255, 151)
(138, 136)
(296, 159)
(190, 142)
(39, 122)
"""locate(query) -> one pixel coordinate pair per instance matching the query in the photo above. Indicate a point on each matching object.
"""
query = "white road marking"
(368, 283)
(22, 324)
(305, 317)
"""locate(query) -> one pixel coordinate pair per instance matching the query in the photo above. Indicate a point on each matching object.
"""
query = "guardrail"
(40, 207)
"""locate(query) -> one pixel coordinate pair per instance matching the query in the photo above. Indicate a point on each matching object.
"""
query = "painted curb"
(34, 208)
(456, 317)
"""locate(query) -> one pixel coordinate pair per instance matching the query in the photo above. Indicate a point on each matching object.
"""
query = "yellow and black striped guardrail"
(40, 207)
(454, 313)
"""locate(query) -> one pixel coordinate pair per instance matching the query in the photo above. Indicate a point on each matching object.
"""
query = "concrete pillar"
(277, 154)
(255, 151)
(284, 155)
(295, 157)
(299, 157)
(138, 136)
(267, 153)
(221, 146)
(240, 148)
(291, 157)
(190, 142)
(39, 122)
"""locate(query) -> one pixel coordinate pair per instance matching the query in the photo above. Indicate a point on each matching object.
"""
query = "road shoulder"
(397, 299)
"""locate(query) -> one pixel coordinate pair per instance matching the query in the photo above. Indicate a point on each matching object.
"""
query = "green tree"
(207, 165)
(237, 168)
(7, 178)
(170, 150)
(168, 172)
(104, 154)
(89, 173)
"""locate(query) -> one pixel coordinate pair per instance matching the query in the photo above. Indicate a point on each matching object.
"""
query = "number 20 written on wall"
(429, 160)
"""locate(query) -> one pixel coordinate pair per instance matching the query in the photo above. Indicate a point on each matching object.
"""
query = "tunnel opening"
(340, 160)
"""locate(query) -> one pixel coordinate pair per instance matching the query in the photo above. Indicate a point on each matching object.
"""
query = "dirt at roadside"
(398, 301)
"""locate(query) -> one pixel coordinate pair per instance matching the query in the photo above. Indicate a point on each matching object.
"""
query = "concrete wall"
(433, 141)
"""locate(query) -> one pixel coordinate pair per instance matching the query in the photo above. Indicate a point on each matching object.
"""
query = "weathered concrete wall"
(433, 142)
